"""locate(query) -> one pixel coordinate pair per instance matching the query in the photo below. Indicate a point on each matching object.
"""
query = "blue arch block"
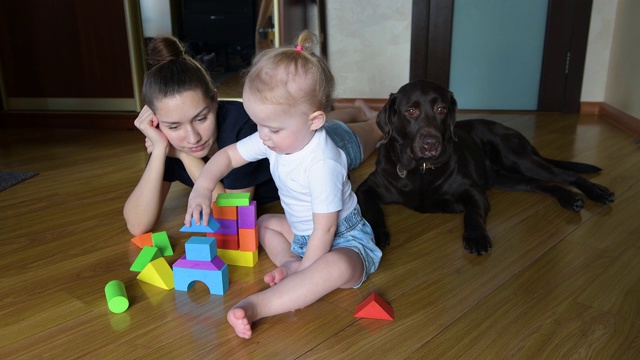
(216, 280)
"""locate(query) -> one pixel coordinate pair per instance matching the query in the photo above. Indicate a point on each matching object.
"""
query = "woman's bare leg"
(361, 119)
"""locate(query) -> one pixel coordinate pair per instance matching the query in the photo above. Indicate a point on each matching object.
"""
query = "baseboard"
(375, 104)
(613, 115)
(60, 120)
(590, 108)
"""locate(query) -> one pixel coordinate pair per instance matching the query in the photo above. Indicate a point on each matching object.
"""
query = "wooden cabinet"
(71, 55)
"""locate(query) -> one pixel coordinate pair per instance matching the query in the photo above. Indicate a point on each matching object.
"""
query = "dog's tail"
(581, 168)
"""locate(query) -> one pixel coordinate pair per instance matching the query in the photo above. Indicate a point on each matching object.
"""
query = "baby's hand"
(199, 207)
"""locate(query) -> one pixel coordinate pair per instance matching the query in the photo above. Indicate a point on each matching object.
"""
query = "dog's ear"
(453, 109)
(385, 117)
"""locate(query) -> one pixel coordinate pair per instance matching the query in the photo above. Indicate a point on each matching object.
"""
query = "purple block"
(229, 227)
(214, 265)
(247, 216)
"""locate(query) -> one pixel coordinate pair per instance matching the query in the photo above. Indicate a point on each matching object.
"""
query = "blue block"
(216, 280)
(201, 248)
(211, 227)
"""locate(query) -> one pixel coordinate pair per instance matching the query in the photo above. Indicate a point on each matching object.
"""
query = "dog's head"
(419, 120)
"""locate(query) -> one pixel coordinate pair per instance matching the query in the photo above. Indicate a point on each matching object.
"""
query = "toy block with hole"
(146, 255)
(214, 274)
(247, 216)
(224, 212)
(200, 248)
(239, 258)
(233, 199)
(248, 239)
(374, 307)
(212, 226)
(225, 241)
(143, 240)
(161, 241)
(158, 273)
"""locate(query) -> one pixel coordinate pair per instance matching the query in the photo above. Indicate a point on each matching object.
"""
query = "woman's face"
(188, 120)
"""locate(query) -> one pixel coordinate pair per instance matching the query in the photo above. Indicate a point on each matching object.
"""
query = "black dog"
(430, 163)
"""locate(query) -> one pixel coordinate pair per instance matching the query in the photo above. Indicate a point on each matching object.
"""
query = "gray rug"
(8, 179)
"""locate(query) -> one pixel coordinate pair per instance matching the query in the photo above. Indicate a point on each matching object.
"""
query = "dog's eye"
(411, 112)
(441, 110)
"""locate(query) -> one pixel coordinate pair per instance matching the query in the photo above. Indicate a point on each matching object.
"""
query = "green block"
(116, 294)
(233, 199)
(161, 241)
(146, 255)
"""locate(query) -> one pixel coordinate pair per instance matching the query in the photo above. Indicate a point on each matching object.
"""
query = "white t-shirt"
(312, 180)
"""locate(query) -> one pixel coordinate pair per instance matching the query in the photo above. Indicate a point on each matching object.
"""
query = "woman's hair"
(292, 76)
(173, 72)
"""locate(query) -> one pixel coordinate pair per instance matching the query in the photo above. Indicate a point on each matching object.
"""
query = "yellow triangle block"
(158, 273)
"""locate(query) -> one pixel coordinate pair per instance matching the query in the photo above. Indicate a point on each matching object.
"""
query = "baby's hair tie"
(299, 47)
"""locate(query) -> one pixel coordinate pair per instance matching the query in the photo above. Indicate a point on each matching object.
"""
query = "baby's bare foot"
(237, 317)
(280, 273)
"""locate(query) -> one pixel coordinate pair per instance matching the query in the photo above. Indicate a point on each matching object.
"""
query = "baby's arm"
(324, 230)
(216, 168)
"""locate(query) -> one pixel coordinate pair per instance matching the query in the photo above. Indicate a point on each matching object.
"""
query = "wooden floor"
(557, 285)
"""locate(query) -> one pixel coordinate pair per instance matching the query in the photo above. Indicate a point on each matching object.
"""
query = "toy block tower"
(237, 236)
(200, 263)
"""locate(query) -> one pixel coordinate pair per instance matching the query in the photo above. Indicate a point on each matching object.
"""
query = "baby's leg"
(275, 237)
(339, 268)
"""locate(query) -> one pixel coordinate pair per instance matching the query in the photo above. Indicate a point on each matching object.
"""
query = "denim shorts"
(346, 140)
(353, 233)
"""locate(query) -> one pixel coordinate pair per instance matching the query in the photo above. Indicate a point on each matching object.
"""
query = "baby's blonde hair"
(293, 76)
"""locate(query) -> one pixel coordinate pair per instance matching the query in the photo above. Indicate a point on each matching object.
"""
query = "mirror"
(224, 35)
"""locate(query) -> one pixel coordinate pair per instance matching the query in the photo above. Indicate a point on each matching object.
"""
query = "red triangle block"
(374, 307)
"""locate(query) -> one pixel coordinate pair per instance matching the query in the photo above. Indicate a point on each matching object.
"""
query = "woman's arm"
(142, 208)
(144, 205)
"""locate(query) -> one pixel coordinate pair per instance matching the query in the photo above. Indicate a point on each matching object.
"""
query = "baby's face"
(281, 129)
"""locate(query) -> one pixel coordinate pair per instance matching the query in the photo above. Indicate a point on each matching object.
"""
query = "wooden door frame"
(560, 90)
(431, 53)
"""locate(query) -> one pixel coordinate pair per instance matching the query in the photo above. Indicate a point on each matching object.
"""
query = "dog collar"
(425, 165)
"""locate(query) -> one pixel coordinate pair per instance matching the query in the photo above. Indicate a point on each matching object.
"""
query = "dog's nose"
(430, 143)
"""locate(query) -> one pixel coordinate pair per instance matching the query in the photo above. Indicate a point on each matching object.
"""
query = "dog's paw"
(382, 238)
(478, 243)
(571, 201)
(601, 194)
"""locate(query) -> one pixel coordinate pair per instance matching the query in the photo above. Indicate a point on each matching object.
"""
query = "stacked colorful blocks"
(201, 263)
(237, 236)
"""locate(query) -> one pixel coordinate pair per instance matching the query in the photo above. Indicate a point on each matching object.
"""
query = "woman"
(185, 124)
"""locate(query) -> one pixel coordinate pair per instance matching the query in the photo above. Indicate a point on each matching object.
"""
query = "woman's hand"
(147, 123)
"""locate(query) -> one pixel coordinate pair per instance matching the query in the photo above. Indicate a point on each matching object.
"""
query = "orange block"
(143, 240)
(224, 212)
(225, 241)
(248, 239)
(374, 307)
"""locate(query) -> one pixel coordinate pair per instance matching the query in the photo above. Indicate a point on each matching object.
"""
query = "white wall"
(156, 18)
(596, 65)
(623, 80)
(368, 46)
